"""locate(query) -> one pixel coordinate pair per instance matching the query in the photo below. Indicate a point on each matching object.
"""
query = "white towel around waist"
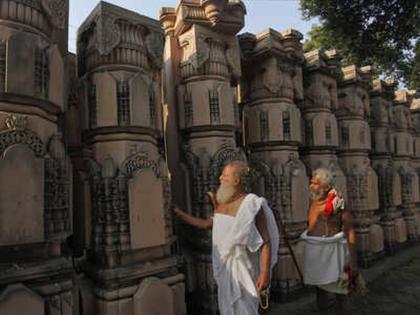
(325, 258)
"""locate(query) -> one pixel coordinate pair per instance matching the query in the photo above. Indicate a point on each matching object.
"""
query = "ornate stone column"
(389, 180)
(272, 65)
(35, 171)
(362, 182)
(415, 161)
(321, 72)
(403, 153)
(127, 194)
(206, 67)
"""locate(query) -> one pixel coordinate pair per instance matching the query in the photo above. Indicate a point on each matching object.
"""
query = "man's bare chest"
(230, 208)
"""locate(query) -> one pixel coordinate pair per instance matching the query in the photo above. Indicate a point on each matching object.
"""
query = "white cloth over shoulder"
(236, 242)
(325, 258)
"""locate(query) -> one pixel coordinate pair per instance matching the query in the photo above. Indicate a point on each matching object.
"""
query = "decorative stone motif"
(18, 134)
(105, 39)
(57, 11)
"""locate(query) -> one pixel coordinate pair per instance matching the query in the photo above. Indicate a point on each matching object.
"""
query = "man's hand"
(263, 281)
(194, 221)
(178, 210)
(213, 199)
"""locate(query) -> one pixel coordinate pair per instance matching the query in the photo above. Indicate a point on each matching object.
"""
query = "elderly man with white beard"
(330, 243)
(245, 242)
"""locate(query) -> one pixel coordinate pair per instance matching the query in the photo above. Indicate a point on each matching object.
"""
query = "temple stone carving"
(127, 192)
(403, 154)
(201, 72)
(353, 112)
(415, 118)
(273, 89)
(389, 180)
(35, 171)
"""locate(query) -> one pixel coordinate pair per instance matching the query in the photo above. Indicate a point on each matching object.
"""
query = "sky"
(261, 14)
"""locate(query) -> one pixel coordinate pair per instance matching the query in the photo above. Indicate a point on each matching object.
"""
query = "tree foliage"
(384, 33)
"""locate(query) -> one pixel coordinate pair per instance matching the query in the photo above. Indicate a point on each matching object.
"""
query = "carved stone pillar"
(127, 193)
(35, 171)
(272, 66)
(355, 144)
(415, 161)
(321, 138)
(403, 153)
(202, 45)
(389, 180)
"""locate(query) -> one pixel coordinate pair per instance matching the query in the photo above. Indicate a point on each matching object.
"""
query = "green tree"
(384, 33)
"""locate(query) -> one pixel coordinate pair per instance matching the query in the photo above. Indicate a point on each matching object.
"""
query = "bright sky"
(277, 14)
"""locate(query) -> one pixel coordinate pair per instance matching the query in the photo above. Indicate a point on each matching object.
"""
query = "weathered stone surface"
(20, 62)
(17, 299)
(57, 77)
(106, 100)
(153, 297)
(147, 224)
(139, 99)
(22, 215)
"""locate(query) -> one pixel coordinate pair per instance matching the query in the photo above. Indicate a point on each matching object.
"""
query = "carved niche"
(18, 299)
(149, 199)
(361, 179)
(263, 181)
(294, 190)
(129, 200)
(43, 211)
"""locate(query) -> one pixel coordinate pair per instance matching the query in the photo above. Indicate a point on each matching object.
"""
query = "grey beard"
(224, 193)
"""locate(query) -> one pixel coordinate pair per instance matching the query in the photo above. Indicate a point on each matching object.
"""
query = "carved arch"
(22, 136)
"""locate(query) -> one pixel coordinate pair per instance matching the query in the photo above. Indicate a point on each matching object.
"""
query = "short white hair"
(325, 176)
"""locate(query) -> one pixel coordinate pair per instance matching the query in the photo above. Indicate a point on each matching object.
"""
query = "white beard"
(225, 193)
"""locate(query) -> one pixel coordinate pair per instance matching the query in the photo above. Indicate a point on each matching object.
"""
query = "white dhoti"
(236, 242)
(325, 259)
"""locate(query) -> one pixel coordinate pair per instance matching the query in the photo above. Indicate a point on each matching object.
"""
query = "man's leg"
(344, 305)
(322, 301)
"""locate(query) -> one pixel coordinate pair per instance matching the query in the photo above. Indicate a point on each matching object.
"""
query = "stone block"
(22, 201)
(106, 100)
(139, 101)
(376, 238)
(57, 79)
(146, 206)
(153, 297)
(17, 299)
(21, 64)
(400, 230)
